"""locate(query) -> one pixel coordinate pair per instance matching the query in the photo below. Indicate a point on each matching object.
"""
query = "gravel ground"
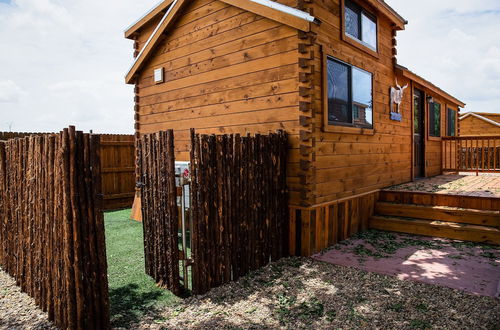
(302, 293)
(17, 309)
(297, 293)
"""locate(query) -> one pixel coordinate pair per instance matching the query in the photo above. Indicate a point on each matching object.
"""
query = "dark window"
(435, 119)
(349, 95)
(360, 25)
(451, 122)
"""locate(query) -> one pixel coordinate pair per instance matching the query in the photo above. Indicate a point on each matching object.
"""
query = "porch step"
(433, 199)
(445, 229)
(440, 213)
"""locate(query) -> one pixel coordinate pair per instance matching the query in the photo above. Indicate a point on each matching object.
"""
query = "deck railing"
(471, 154)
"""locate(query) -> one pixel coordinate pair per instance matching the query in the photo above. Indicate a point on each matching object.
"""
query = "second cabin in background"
(323, 70)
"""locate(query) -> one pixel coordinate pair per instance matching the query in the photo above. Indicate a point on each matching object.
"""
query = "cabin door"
(418, 134)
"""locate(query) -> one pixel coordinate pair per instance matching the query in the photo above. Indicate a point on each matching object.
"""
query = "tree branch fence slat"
(238, 204)
(51, 225)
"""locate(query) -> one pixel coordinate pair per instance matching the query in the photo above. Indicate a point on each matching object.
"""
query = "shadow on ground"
(129, 305)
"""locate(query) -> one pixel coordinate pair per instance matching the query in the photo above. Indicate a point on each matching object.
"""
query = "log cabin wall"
(227, 70)
(473, 126)
(350, 161)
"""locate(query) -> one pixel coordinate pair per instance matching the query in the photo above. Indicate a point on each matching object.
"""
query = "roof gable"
(478, 116)
(157, 10)
(292, 17)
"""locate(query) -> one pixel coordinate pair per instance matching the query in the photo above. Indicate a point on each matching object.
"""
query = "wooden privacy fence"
(239, 205)
(471, 154)
(51, 226)
(238, 208)
(117, 167)
(118, 170)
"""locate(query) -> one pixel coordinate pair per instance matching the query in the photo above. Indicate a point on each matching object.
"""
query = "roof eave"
(419, 80)
(146, 18)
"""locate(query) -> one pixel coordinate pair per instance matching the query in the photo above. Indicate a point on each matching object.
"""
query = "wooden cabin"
(480, 124)
(323, 70)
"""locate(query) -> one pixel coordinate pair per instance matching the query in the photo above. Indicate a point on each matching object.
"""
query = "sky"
(63, 62)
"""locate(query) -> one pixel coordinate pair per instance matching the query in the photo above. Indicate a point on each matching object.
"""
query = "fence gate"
(237, 209)
(159, 208)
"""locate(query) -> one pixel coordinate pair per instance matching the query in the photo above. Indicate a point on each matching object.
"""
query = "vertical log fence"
(51, 226)
(239, 205)
(238, 208)
(159, 208)
(480, 154)
(117, 167)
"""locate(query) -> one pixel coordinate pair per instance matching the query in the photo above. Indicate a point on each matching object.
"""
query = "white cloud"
(70, 57)
(455, 44)
(9, 91)
(63, 61)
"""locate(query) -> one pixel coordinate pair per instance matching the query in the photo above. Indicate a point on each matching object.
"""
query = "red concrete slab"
(455, 264)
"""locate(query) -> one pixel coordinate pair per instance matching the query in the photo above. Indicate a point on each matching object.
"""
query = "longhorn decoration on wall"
(396, 99)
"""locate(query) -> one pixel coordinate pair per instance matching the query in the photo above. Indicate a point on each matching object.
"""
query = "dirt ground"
(298, 293)
(302, 293)
(17, 309)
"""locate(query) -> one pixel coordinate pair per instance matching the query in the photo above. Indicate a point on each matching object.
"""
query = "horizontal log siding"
(472, 126)
(226, 71)
(350, 164)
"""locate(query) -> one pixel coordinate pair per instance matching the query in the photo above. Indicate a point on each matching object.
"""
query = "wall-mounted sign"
(396, 99)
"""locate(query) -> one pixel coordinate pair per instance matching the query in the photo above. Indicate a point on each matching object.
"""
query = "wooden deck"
(464, 207)
(463, 184)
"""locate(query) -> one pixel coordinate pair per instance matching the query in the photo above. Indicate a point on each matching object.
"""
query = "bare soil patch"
(303, 293)
(17, 309)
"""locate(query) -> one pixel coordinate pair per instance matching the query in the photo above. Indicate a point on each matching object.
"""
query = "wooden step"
(435, 228)
(441, 213)
(425, 198)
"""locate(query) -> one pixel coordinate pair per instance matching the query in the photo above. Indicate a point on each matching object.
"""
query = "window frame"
(429, 135)
(450, 108)
(341, 127)
(358, 43)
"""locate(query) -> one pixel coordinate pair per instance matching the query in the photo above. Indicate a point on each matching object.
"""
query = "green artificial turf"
(132, 293)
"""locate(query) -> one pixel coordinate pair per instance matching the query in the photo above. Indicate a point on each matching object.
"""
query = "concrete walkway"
(455, 264)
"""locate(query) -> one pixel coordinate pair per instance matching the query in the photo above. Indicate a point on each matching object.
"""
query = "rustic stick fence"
(117, 167)
(471, 154)
(156, 161)
(238, 208)
(4, 136)
(239, 205)
(51, 225)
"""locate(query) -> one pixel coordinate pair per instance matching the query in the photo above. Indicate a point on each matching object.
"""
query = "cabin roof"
(405, 72)
(480, 115)
(389, 12)
(292, 17)
(163, 5)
